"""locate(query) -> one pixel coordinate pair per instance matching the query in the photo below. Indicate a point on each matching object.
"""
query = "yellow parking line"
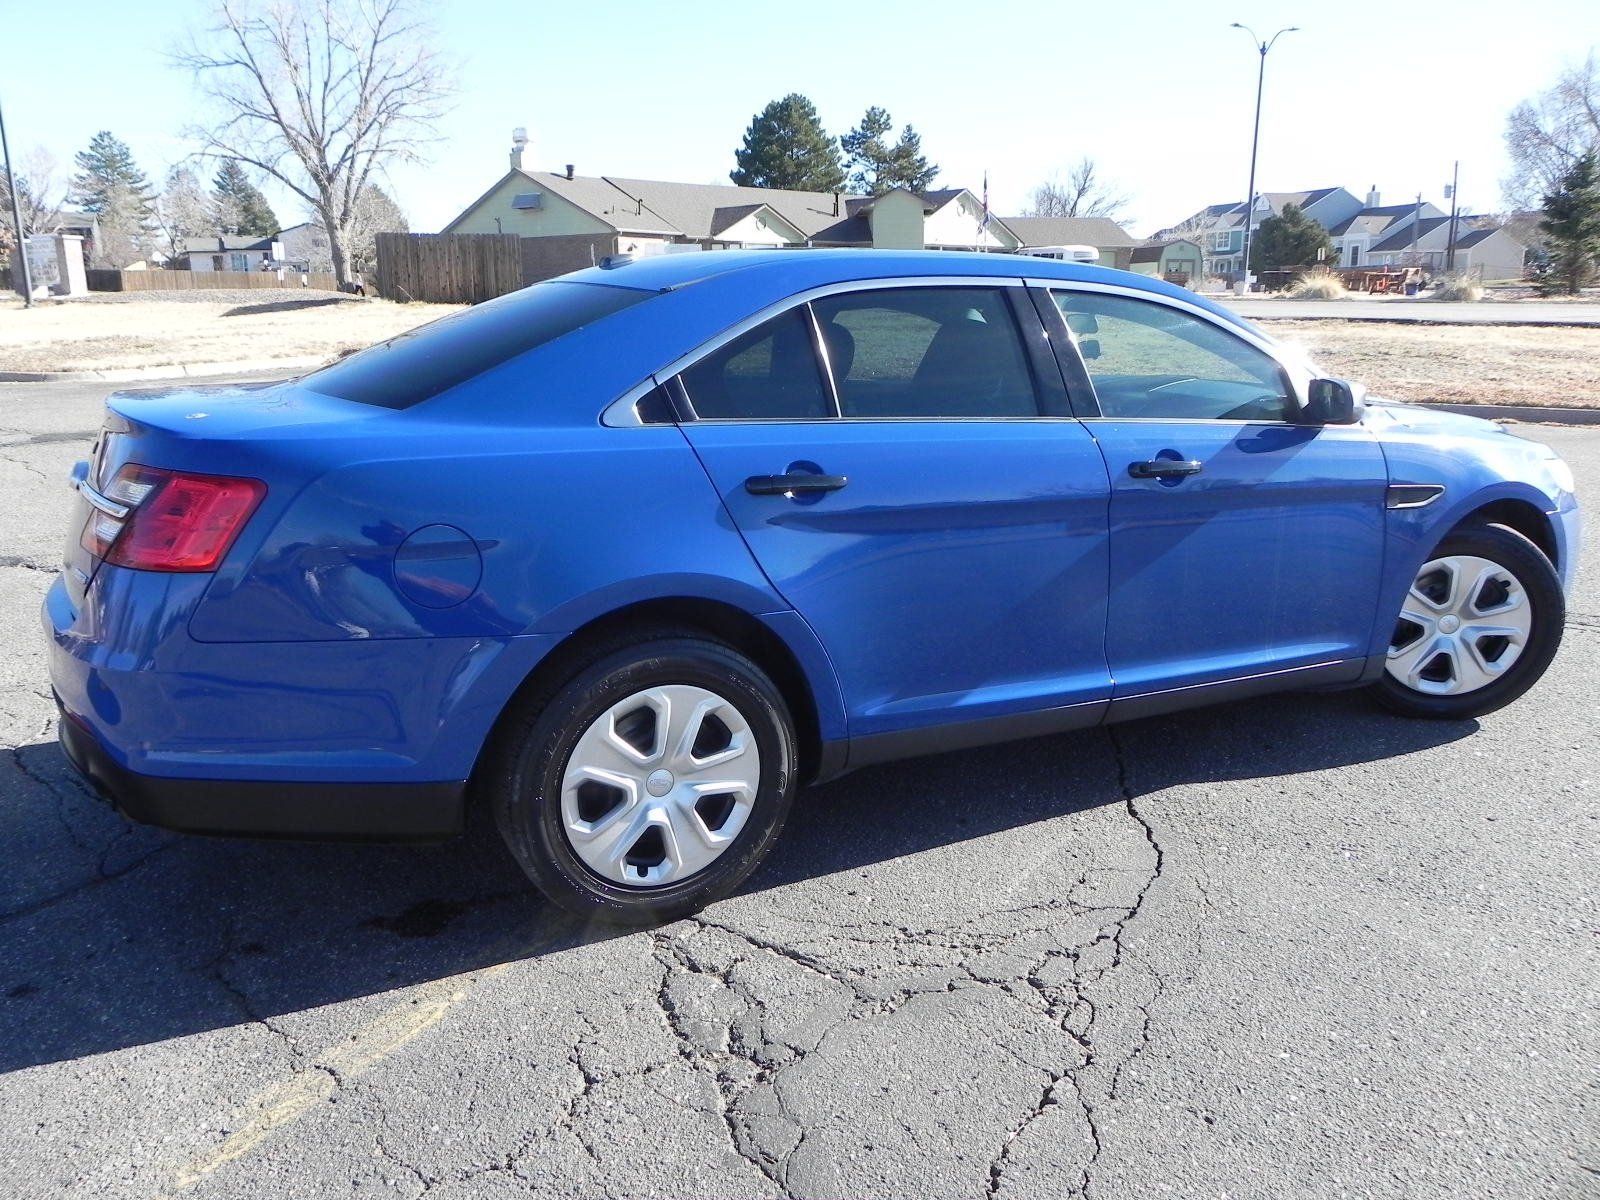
(284, 1103)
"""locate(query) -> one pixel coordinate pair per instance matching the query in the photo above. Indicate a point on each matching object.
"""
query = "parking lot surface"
(1285, 948)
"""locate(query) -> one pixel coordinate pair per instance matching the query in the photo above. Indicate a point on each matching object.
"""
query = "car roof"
(791, 271)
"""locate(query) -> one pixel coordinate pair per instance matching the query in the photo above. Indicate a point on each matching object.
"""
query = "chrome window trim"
(1297, 375)
(620, 411)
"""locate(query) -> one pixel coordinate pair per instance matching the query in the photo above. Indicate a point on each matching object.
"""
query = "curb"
(1532, 413)
(1397, 319)
(169, 371)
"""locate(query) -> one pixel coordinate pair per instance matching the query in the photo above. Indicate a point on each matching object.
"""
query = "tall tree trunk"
(338, 246)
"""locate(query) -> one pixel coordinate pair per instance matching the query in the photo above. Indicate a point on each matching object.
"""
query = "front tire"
(650, 783)
(1479, 626)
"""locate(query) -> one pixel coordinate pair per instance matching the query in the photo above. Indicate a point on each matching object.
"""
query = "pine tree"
(1290, 239)
(240, 206)
(876, 166)
(786, 147)
(1572, 223)
(110, 185)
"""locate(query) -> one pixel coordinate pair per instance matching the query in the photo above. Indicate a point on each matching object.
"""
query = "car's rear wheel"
(649, 783)
(1479, 625)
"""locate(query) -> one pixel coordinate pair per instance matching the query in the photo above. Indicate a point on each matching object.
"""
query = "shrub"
(1317, 285)
(1458, 287)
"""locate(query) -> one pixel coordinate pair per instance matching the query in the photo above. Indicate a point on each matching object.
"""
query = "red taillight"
(177, 521)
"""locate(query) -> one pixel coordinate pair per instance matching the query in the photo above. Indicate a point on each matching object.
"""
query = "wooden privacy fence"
(448, 268)
(178, 281)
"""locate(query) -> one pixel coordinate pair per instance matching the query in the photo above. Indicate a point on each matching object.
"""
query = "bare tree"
(1082, 195)
(40, 195)
(318, 94)
(182, 211)
(1547, 134)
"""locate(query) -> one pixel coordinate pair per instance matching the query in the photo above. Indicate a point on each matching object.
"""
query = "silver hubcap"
(660, 785)
(1465, 621)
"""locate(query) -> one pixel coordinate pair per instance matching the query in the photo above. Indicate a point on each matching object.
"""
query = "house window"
(1355, 256)
(238, 262)
(1219, 241)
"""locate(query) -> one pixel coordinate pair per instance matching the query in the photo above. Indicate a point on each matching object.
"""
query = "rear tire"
(1480, 625)
(650, 783)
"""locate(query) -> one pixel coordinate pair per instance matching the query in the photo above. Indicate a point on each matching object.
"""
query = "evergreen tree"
(1290, 239)
(877, 166)
(1572, 223)
(786, 147)
(110, 185)
(240, 207)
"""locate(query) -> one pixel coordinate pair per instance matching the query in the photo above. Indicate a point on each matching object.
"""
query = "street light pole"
(1262, 46)
(16, 218)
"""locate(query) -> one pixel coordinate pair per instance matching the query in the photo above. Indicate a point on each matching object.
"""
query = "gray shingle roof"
(214, 245)
(1401, 238)
(1100, 232)
(690, 208)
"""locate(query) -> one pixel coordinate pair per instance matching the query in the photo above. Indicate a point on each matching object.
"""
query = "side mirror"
(1333, 402)
(1082, 324)
(1089, 347)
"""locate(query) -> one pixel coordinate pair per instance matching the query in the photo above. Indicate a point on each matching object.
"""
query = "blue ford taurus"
(630, 555)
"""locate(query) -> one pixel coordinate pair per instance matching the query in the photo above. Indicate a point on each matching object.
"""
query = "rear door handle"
(1163, 468)
(794, 481)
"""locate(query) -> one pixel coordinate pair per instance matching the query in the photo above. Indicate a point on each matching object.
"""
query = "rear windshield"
(418, 365)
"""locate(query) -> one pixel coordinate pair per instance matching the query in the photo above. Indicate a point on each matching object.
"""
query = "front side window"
(768, 373)
(1152, 361)
(926, 352)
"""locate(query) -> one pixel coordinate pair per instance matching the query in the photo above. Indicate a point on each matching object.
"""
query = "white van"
(1077, 254)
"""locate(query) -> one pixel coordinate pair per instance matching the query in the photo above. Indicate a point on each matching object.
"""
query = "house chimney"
(1373, 199)
(519, 146)
(569, 170)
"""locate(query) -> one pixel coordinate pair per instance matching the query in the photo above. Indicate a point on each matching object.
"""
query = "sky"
(1160, 93)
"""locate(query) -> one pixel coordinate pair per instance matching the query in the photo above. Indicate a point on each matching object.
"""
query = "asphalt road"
(1399, 308)
(1285, 948)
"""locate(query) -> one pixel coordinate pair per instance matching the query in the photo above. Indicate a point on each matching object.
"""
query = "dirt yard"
(1458, 364)
(113, 330)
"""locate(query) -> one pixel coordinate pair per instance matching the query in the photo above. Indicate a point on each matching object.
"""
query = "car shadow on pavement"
(114, 935)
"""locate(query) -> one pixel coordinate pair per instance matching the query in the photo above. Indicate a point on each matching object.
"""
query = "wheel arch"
(1525, 517)
(792, 658)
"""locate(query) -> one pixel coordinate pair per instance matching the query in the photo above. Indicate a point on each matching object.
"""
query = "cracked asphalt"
(1283, 948)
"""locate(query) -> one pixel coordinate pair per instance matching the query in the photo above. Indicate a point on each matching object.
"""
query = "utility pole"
(1255, 137)
(1454, 190)
(16, 219)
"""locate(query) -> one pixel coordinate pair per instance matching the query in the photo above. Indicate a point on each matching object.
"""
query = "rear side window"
(769, 373)
(424, 362)
(926, 352)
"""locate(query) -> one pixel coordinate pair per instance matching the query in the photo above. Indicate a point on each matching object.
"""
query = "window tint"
(926, 352)
(1151, 360)
(424, 362)
(769, 373)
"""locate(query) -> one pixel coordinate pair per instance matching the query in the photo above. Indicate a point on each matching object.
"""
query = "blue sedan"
(629, 556)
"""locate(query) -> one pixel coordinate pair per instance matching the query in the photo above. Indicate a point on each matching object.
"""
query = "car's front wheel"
(1480, 623)
(650, 783)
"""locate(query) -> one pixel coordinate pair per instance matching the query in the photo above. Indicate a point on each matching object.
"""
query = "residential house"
(1178, 260)
(1489, 252)
(1112, 241)
(232, 253)
(1220, 228)
(305, 247)
(1356, 235)
(567, 220)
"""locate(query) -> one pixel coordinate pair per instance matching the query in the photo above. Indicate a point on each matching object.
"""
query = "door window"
(926, 352)
(769, 373)
(1153, 361)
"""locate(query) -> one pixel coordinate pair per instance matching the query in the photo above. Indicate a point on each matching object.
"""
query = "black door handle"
(1161, 468)
(794, 481)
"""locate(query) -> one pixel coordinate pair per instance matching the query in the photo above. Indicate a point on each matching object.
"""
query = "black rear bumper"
(384, 812)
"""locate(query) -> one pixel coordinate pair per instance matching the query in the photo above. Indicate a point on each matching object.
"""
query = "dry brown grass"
(85, 335)
(1460, 364)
